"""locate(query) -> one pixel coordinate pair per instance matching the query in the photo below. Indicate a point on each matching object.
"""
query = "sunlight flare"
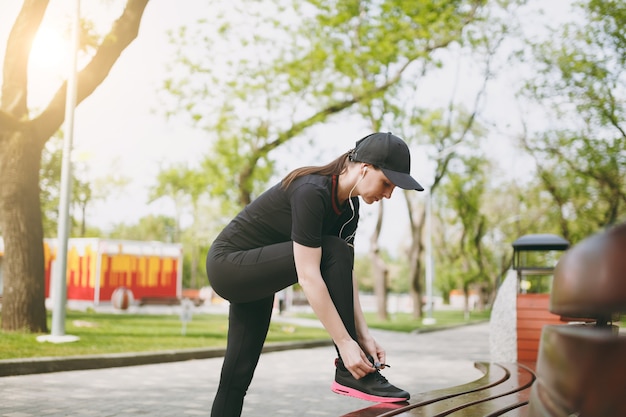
(50, 52)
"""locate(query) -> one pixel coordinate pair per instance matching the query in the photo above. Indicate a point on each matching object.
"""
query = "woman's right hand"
(355, 360)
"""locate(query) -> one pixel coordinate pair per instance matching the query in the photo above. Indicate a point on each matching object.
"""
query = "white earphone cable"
(351, 236)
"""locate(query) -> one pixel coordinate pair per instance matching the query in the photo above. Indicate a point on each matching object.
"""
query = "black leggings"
(249, 279)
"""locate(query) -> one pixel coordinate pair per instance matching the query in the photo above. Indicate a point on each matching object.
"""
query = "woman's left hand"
(372, 348)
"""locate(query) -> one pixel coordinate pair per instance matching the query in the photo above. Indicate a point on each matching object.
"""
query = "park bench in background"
(159, 301)
(581, 366)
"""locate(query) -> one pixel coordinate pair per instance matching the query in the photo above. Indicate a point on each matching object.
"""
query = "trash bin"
(534, 259)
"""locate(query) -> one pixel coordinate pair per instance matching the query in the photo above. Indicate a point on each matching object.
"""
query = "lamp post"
(430, 273)
(59, 284)
(430, 264)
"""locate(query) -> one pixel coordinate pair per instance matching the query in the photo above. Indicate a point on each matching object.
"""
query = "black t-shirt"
(307, 210)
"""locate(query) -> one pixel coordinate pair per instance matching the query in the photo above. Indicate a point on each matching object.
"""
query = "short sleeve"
(308, 206)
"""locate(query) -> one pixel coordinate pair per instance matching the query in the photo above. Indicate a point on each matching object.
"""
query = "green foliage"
(397, 280)
(160, 228)
(49, 183)
(580, 82)
(192, 192)
(399, 275)
(296, 64)
(291, 65)
(363, 273)
(468, 264)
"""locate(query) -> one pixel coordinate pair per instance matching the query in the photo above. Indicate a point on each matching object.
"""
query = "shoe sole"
(351, 392)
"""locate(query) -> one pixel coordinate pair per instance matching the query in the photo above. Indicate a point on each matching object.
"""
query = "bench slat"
(491, 376)
(489, 400)
(503, 387)
(497, 406)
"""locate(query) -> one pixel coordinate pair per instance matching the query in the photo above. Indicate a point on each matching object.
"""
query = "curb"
(28, 366)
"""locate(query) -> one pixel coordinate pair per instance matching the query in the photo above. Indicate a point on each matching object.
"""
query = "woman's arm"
(307, 262)
(366, 341)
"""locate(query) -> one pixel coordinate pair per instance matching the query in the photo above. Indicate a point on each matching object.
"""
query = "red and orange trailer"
(97, 267)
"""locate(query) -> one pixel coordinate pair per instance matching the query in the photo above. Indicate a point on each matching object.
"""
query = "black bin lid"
(538, 242)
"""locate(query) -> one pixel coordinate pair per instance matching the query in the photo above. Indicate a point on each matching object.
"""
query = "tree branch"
(15, 69)
(123, 32)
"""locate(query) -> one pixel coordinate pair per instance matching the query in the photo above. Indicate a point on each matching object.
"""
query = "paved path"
(286, 383)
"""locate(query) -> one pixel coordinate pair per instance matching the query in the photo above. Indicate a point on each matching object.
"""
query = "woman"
(302, 230)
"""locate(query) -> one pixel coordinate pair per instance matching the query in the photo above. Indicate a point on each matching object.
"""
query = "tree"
(84, 191)
(441, 131)
(295, 68)
(448, 131)
(148, 228)
(380, 270)
(22, 139)
(187, 188)
(171, 183)
(580, 83)
(465, 192)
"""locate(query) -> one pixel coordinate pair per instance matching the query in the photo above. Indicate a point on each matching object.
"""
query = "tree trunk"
(195, 261)
(466, 303)
(416, 283)
(379, 269)
(23, 305)
(415, 259)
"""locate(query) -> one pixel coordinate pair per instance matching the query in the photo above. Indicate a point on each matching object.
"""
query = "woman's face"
(374, 186)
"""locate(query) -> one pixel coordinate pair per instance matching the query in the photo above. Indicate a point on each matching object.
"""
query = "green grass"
(117, 333)
(404, 322)
(121, 333)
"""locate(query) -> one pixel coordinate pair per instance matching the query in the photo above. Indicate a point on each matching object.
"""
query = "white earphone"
(347, 238)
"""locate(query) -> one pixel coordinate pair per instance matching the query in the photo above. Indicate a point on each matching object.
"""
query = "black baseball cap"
(389, 153)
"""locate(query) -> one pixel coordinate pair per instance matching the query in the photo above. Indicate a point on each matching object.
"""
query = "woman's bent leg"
(247, 328)
(336, 267)
(248, 279)
(244, 276)
(241, 276)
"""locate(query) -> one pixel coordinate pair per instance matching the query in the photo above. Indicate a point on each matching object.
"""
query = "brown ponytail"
(335, 167)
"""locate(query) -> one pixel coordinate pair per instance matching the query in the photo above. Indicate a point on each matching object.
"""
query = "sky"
(119, 129)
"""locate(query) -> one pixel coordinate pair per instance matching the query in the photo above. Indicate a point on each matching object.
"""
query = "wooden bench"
(503, 388)
(159, 301)
(581, 368)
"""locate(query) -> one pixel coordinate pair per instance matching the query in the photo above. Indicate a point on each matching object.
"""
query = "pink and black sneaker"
(372, 387)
